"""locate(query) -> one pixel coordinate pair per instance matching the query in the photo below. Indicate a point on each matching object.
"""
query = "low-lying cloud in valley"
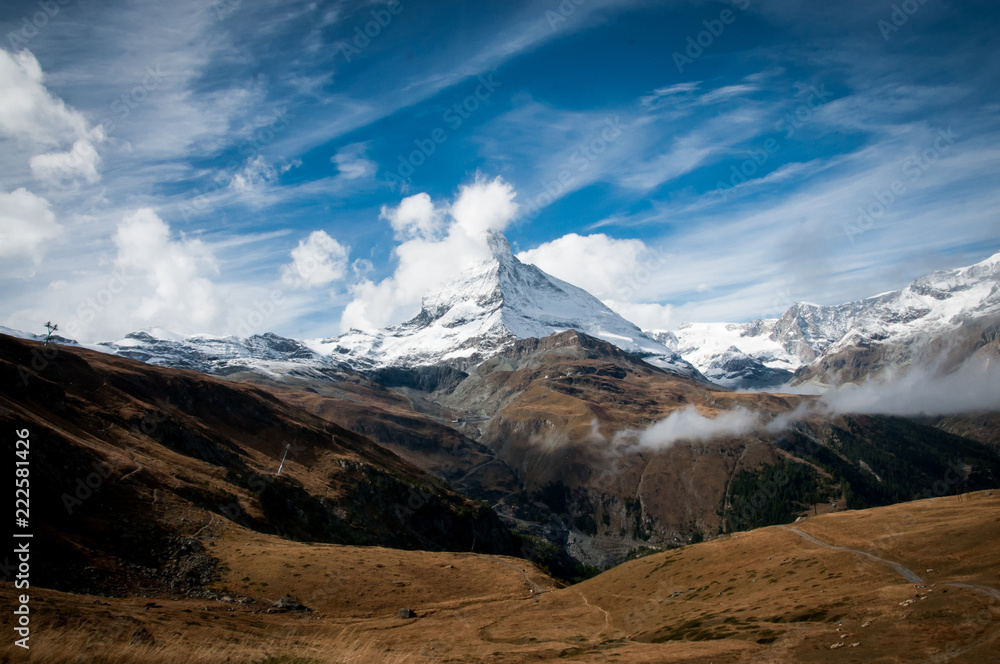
(975, 385)
(920, 391)
(689, 424)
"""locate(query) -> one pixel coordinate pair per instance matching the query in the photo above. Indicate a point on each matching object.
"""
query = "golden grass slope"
(769, 595)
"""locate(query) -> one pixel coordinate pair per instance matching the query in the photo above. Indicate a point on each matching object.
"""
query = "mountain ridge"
(494, 303)
(829, 344)
(488, 307)
(476, 315)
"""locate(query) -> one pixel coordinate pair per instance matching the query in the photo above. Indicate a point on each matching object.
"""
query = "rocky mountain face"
(267, 354)
(736, 355)
(946, 315)
(568, 414)
(940, 318)
(473, 317)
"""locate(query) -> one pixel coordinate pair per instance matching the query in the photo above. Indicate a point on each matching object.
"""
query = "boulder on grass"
(289, 603)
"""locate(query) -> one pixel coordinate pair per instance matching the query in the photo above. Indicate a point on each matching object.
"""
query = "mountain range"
(514, 436)
(950, 314)
(956, 311)
(522, 390)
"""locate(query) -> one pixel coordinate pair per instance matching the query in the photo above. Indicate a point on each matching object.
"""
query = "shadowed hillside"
(130, 461)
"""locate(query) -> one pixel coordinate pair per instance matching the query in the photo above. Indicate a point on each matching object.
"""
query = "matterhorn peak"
(499, 246)
(487, 308)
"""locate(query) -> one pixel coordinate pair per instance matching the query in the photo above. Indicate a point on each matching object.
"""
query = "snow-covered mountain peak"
(485, 309)
(818, 341)
(499, 247)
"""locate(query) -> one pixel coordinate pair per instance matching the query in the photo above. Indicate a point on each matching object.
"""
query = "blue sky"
(302, 168)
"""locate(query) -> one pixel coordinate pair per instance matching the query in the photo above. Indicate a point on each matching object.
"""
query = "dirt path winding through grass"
(538, 590)
(607, 616)
(903, 571)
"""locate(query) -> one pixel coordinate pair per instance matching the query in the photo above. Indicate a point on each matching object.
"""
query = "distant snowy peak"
(264, 353)
(487, 308)
(738, 355)
(473, 317)
(865, 336)
(500, 300)
(37, 337)
(932, 304)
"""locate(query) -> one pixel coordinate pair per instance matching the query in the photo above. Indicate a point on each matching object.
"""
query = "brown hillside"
(129, 460)
(765, 596)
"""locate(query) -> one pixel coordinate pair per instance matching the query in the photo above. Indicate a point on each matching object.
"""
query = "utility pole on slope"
(282, 464)
(51, 327)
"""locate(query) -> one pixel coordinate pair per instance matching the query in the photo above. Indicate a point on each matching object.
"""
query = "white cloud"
(922, 391)
(705, 143)
(182, 299)
(685, 95)
(351, 162)
(36, 119)
(58, 167)
(919, 391)
(27, 110)
(661, 96)
(425, 263)
(255, 172)
(618, 272)
(687, 154)
(602, 265)
(415, 216)
(317, 261)
(647, 315)
(484, 206)
(688, 424)
(27, 223)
